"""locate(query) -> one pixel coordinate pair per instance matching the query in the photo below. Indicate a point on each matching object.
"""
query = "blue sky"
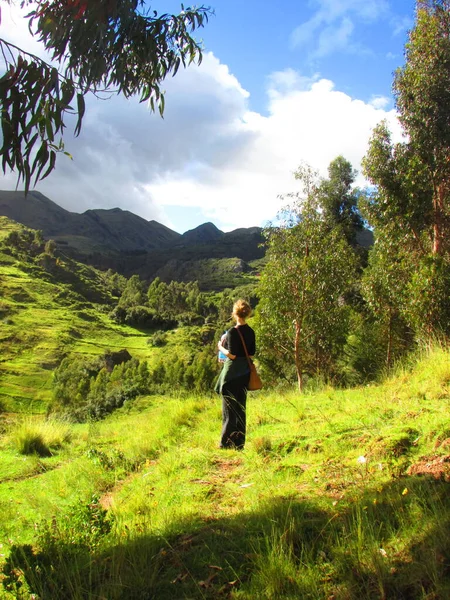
(355, 43)
(280, 84)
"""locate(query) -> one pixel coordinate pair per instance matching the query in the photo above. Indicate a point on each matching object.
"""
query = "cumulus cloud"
(210, 152)
(380, 101)
(313, 123)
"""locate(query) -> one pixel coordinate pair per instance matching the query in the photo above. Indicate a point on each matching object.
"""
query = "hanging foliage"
(100, 46)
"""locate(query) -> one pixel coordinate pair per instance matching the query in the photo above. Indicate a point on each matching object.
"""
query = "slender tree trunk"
(297, 354)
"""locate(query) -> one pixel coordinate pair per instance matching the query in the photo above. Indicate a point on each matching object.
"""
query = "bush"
(40, 438)
(157, 340)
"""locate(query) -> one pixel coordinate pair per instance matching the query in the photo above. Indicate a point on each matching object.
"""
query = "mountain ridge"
(125, 242)
(108, 225)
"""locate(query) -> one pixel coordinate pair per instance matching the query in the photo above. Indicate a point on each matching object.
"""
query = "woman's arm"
(225, 351)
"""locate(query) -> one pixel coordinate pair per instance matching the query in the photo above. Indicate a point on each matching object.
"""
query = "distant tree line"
(160, 305)
(86, 388)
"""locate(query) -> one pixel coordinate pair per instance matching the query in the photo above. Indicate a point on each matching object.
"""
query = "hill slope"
(48, 308)
(339, 494)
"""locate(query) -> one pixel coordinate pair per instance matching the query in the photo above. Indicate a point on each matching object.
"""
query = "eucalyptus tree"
(98, 46)
(302, 315)
(422, 93)
(339, 198)
(409, 208)
(383, 289)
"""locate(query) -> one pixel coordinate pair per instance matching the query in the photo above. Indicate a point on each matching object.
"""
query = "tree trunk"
(298, 360)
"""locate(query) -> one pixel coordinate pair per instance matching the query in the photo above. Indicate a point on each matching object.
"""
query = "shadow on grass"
(390, 544)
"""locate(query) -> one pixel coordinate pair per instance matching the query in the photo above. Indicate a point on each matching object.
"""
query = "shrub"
(157, 340)
(41, 438)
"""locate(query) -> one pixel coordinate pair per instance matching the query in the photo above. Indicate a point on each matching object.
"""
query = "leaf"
(161, 105)
(80, 109)
(52, 165)
(31, 142)
(49, 128)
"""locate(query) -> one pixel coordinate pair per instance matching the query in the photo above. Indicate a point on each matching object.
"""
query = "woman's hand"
(225, 351)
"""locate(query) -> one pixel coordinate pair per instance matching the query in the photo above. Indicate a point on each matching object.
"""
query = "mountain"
(35, 211)
(207, 232)
(99, 230)
(120, 240)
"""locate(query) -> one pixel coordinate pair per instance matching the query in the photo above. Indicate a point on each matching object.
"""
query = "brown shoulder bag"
(255, 382)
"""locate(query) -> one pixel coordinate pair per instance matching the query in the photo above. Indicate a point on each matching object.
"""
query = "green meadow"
(338, 494)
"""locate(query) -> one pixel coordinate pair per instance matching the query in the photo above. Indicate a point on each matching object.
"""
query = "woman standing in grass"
(233, 381)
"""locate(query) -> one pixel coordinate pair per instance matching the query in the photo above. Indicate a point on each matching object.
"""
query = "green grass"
(326, 501)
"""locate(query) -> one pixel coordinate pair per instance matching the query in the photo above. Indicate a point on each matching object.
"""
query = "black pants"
(234, 399)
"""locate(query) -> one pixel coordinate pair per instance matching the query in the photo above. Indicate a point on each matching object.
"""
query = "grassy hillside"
(340, 494)
(54, 307)
(211, 273)
(50, 308)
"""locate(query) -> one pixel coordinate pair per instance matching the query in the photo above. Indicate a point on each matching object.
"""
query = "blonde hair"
(241, 309)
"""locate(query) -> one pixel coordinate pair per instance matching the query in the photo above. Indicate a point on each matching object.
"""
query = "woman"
(233, 381)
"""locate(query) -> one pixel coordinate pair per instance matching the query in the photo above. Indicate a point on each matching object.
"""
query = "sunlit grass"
(42, 438)
(321, 504)
(38, 330)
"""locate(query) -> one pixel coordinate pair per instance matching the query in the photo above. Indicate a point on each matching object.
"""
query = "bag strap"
(245, 348)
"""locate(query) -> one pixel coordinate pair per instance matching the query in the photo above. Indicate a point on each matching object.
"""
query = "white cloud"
(331, 26)
(335, 37)
(210, 152)
(380, 101)
(313, 124)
